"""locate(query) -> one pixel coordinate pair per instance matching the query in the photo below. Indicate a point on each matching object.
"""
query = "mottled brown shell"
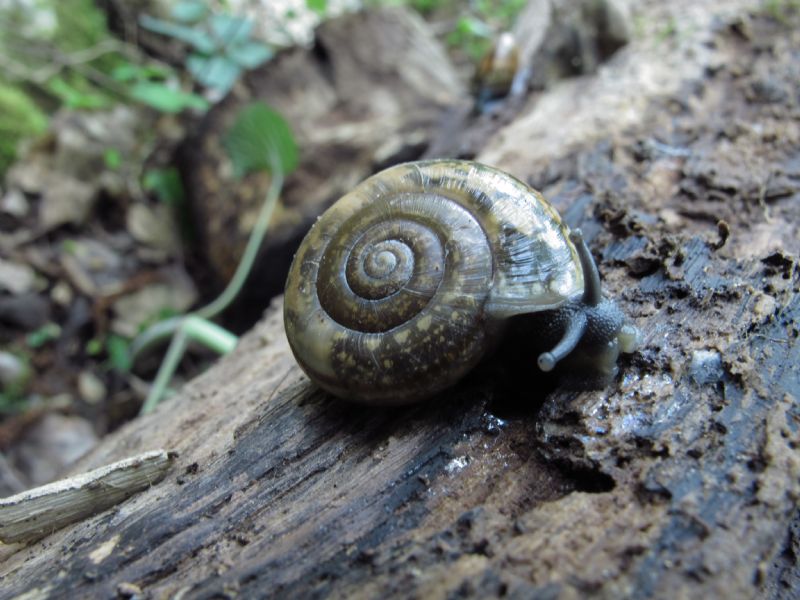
(402, 286)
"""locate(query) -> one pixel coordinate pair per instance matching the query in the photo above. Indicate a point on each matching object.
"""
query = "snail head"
(594, 328)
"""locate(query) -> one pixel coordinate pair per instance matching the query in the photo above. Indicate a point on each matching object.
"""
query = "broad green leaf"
(250, 54)
(261, 139)
(217, 72)
(189, 11)
(165, 99)
(197, 38)
(318, 6)
(229, 29)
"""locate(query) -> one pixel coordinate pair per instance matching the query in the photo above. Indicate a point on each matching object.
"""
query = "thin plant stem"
(196, 325)
(230, 292)
(165, 372)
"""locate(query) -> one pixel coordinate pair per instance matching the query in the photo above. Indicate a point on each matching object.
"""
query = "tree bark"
(680, 160)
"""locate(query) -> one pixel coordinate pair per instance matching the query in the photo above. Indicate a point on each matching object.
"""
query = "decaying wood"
(36, 513)
(680, 480)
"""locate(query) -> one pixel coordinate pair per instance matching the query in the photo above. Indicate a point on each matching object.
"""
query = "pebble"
(15, 204)
(12, 369)
(15, 277)
(91, 388)
(26, 311)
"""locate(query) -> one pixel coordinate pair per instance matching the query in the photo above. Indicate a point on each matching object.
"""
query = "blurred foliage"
(781, 10)
(259, 139)
(59, 53)
(474, 24)
(221, 43)
(55, 53)
(13, 397)
(19, 118)
(318, 6)
(117, 349)
(165, 184)
(44, 335)
(477, 27)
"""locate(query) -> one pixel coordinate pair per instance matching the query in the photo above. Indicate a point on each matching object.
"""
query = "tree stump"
(680, 160)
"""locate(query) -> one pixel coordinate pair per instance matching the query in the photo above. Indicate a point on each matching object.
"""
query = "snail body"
(408, 281)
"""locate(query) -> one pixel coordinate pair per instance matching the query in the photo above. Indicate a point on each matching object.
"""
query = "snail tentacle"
(576, 326)
(592, 291)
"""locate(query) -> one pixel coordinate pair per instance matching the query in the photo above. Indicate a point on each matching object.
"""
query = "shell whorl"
(401, 287)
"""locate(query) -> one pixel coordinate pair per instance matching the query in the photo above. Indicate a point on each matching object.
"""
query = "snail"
(498, 72)
(405, 283)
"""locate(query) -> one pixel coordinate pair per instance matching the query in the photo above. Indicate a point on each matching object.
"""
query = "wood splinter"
(33, 514)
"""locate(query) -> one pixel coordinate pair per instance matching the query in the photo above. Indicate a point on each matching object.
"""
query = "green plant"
(259, 139)
(19, 118)
(118, 352)
(257, 134)
(668, 30)
(13, 396)
(781, 10)
(221, 43)
(318, 6)
(157, 87)
(72, 61)
(475, 24)
(45, 334)
(472, 35)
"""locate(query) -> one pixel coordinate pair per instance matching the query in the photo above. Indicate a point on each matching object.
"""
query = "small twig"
(36, 513)
(762, 200)
(57, 61)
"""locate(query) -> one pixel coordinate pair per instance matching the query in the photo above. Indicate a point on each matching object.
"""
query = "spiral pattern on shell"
(404, 284)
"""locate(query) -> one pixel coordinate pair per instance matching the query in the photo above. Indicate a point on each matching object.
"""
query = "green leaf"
(261, 139)
(165, 99)
(197, 38)
(118, 349)
(94, 347)
(112, 158)
(472, 26)
(69, 246)
(129, 72)
(72, 97)
(250, 54)
(126, 72)
(229, 29)
(189, 11)
(46, 333)
(217, 72)
(165, 184)
(318, 6)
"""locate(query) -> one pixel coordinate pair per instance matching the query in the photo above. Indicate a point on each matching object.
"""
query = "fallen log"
(679, 480)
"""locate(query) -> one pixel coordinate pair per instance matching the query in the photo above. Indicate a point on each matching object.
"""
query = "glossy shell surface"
(401, 287)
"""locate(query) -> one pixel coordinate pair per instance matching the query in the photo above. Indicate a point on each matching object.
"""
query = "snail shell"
(498, 70)
(406, 282)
